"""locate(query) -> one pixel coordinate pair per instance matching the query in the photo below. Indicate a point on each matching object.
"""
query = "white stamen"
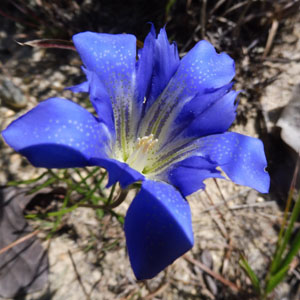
(138, 158)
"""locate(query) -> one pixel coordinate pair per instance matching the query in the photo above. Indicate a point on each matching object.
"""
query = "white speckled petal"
(118, 172)
(241, 157)
(165, 63)
(188, 175)
(113, 59)
(202, 69)
(58, 133)
(158, 228)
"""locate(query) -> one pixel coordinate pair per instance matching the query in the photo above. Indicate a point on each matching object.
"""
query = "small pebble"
(11, 95)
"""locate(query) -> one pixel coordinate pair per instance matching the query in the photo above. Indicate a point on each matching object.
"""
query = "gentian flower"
(161, 121)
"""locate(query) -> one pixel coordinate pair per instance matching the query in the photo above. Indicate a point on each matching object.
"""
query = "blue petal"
(98, 96)
(113, 59)
(208, 112)
(203, 69)
(188, 175)
(100, 100)
(158, 61)
(58, 133)
(144, 66)
(200, 103)
(215, 119)
(166, 62)
(118, 171)
(200, 71)
(158, 228)
(80, 88)
(241, 157)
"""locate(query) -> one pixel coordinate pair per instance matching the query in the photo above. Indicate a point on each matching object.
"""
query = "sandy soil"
(227, 219)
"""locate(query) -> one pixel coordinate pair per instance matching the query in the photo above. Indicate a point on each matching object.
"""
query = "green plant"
(284, 253)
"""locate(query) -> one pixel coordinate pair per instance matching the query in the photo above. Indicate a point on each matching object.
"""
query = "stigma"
(138, 158)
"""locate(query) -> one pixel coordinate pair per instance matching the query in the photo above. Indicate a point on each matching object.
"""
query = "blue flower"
(160, 120)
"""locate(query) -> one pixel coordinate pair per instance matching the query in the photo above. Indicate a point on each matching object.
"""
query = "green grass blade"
(169, 6)
(58, 213)
(15, 183)
(251, 274)
(110, 197)
(288, 232)
(293, 251)
(275, 279)
(96, 199)
(43, 185)
(99, 213)
(90, 174)
(61, 211)
(295, 247)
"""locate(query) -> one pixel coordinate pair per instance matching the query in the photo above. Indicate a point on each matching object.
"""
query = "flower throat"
(138, 158)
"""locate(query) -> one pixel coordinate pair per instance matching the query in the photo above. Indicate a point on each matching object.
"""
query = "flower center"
(138, 158)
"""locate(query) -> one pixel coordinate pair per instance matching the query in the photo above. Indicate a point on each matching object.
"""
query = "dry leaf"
(24, 267)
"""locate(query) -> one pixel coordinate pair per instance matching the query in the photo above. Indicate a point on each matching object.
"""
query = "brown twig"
(49, 43)
(19, 241)
(239, 194)
(203, 18)
(227, 255)
(213, 204)
(157, 291)
(216, 220)
(216, 6)
(271, 37)
(78, 276)
(282, 60)
(227, 236)
(4, 14)
(251, 205)
(130, 295)
(221, 193)
(235, 7)
(217, 276)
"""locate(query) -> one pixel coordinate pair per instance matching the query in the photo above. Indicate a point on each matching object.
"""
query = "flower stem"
(109, 206)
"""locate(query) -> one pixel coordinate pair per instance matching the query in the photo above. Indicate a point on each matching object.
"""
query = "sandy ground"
(227, 219)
